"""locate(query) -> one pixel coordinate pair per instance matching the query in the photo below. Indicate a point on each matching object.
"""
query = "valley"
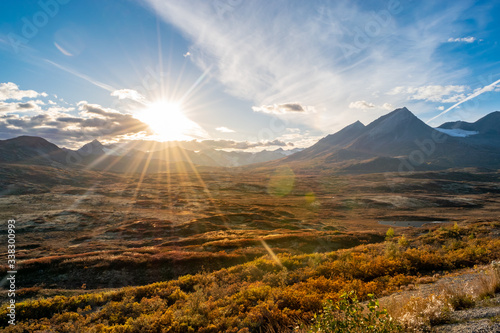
(131, 240)
(107, 230)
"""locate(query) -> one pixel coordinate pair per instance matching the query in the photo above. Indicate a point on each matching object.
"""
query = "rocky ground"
(481, 319)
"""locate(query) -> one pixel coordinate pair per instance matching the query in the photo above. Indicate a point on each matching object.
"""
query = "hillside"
(31, 150)
(279, 293)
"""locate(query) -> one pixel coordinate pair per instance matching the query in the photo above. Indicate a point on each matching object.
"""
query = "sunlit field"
(229, 241)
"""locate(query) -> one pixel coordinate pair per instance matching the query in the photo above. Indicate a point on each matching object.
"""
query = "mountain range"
(397, 141)
(123, 158)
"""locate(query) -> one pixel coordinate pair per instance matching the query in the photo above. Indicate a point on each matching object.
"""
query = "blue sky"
(270, 73)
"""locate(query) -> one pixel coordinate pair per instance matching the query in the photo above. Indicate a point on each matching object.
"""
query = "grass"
(419, 313)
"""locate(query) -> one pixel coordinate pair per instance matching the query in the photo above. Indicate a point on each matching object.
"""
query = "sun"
(168, 122)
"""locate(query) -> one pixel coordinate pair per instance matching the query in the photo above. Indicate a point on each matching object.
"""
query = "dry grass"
(473, 291)
(417, 314)
(420, 313)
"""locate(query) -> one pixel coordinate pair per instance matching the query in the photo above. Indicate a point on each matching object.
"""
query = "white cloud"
(18, 107)
(58, 125)
(224, 129)
(299, 138)
(453, 98)
(441, 108)
(128, 94)
(284, 108)
(11, 90)
(388, 106)
(431, 93)
(187, 54)
(469, 39)
(490, 87)
(362, 105)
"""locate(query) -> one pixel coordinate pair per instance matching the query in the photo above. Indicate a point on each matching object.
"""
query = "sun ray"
(142, 175)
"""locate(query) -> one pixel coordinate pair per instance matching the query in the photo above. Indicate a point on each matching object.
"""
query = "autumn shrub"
(274, 294)
(350, 316)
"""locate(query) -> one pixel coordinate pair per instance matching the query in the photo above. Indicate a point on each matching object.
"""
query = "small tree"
(389, 235)
(403, 241)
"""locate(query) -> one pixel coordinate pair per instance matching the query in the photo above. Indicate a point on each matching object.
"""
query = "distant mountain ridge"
(400, 141)
(397, 141)
(31, 149)
(487, 124)
(95, 155)
(92, 148)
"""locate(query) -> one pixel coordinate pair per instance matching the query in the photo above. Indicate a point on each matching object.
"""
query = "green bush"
(350, 316)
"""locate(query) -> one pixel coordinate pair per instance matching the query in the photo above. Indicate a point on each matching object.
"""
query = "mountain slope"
(486, 131)
(393, 134)
(486, 125)
(336, 141)
(92, 148)
(31, 149)
(399, 141)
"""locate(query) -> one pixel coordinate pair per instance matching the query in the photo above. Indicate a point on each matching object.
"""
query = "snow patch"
(456, 132)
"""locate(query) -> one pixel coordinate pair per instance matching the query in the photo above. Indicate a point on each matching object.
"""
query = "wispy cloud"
(322, 56)
(224, 129)
(128, 94)
(82, 76)
(283, 108)
(462, 40)
(362, 105)
(490, 87)
(63, 50)
(431, 93)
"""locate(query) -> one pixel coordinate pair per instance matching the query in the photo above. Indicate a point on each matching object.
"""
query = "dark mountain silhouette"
(31, 149)
(331, 142)
(96, 156)
(399, 141)
(92, 148)
(392, 134)
(487, 129)
(488, 124)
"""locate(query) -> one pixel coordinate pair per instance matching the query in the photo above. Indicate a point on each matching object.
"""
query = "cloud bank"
(11, 90)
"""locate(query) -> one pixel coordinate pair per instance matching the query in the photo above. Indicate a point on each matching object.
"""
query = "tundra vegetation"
(227, 252)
